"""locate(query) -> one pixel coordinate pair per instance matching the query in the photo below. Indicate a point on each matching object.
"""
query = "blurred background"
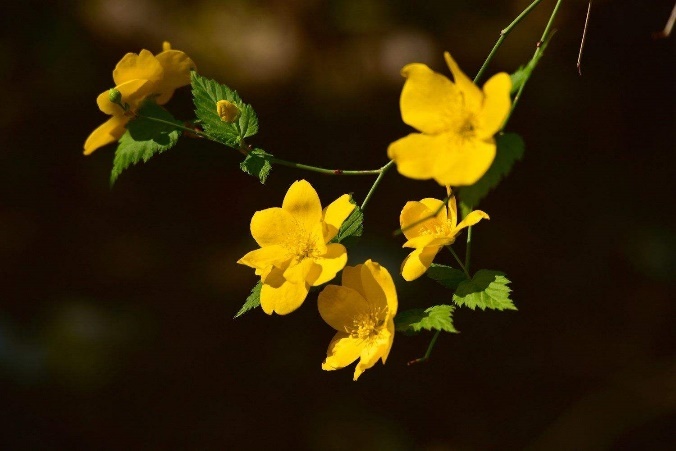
(116, 306)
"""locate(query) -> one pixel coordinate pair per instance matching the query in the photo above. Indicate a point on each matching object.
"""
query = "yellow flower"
(428, 237)
(295, 253)
(457, 121)
(138, 77)
(227, 111)
(362, 310)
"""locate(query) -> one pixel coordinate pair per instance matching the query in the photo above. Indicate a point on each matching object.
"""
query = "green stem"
(173, 124)
(382, 170)
(536, 55)
(468, 248)
(457, 259)
(429, 350)
(503, 35)
(308, 167)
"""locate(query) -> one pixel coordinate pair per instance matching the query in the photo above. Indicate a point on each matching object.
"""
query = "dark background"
(116, 306)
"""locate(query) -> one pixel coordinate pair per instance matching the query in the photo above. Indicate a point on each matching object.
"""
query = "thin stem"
(503, 35)
(382, 170)
(538, 50)
(173, 124)
(429, 350)
(468, 248)
(308, 167)
(457, 259)
(584, 37)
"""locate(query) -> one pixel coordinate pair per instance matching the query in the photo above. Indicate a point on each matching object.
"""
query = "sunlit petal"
(496, 106)
(416, 155)
(417, 262)
(339, 305)
(273, 226)
(106, 133)
(142, 66)
(177, 66)
(466, 163)
(342, 351)
(472, 95)
(331, 263)
(379, 287)
(302, 202)
(281, 296)
(472, 218)
(335, 214)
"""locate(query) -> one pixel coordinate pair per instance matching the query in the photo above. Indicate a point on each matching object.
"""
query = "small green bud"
(115, 96)
(227, 111)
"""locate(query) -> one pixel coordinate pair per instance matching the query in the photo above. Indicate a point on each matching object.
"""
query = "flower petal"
(273, 226)
(331, 263)
(142, 66)
(106, 133)
(496, 106)
(429, 101)
(351, 278)
(133, 91)
(177, 66)
(417, 262)
(335, 214)
(302, 201)
(465, 162)
(371, 353)
(419, 241)
(471, 94)
(415, 211)
(390, 339)
(472, 218)
(340, 305)
(453, 211)
(342, 351)
(379, 287)
(436, 205)
(265, 256)
(280, 295)
(416, 155)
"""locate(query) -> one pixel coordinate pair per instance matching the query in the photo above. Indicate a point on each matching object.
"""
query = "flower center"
(468, 127)
(366, 326)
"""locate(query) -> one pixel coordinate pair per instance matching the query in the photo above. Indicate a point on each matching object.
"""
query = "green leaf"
(206, 93)
(487, 290)
(352, 227)
(446, 276)
(510, 149)
(257, 163)
(438, 317)
(252, 301)
(145, 138)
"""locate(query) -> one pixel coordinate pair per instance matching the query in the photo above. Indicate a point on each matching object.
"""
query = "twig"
(584, 36)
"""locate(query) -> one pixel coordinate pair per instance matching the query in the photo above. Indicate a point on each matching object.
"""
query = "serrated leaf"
(445, 275)
(257, 163)
(510, 148)
(487, 290)
(252, 301)
(438, 317)
(352, 227)
(206, 93)
(145, 138)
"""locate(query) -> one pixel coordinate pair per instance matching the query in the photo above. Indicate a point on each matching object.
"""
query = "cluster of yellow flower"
(456, 146)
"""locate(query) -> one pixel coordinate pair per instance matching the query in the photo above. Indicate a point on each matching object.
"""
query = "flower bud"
(227, 111)
(115, 96)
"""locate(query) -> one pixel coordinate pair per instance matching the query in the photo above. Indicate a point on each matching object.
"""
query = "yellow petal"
(436, 205)
(465, 162)
(339, 306)
(177, 66)
(429, 101)
(371, 353)
(414, 212)
(302, 202)
(453, 211)
(335, 214)
(273, 226)
(265, 256)
(496, 106)
(471, 94)
(379, 287)
(472, 218)
(419, 241)
(106, 133)
(143, 66)
(331, 263)
(417, 262)
(390, 339)
(298, 272)
(342, 351)
(133, 91)
(416, 154)
(351, 278)
(281, 296)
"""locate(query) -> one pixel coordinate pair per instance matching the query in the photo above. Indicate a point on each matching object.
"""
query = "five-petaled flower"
(137, 78)
(295, 252)
(457, 121)
(362, 310)
(429, 236)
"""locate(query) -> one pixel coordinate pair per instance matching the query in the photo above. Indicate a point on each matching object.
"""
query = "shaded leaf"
(445, 275)
(257, 163)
